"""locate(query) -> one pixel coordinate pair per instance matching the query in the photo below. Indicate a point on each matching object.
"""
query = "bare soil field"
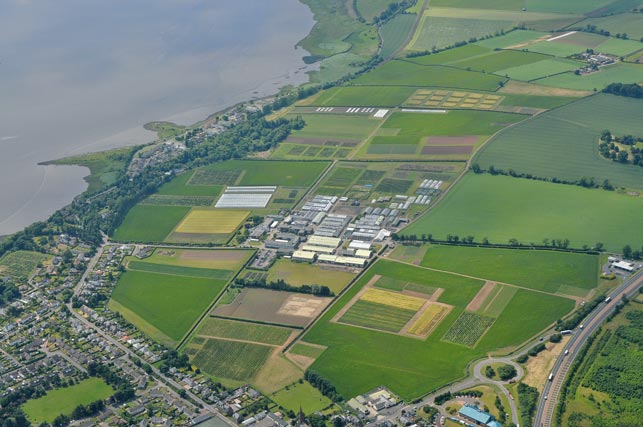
(481, 296)
(263, 305)
(447, 149)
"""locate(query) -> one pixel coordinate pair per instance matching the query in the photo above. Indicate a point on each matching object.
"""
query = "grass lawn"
(297, 274)
(156, 298)
(563, 143)
(64, 400)
(405, 73)
(540, 270)
(501, 208)
(145, 223)
(301, 395)
(358, 360)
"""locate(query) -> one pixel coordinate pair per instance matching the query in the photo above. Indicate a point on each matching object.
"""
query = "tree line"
(281, 285)
(630, 90)
(323, 385)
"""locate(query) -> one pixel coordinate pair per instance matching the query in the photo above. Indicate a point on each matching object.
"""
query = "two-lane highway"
(551, 391)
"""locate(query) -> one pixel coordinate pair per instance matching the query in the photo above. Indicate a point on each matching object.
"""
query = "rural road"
(551, 391)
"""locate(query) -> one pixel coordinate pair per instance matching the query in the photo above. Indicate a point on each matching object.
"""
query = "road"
(551, 391)
(132, 356)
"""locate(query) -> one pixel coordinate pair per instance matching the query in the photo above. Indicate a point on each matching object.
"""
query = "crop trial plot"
(468, 329)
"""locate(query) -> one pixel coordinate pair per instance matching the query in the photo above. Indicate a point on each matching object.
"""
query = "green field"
(358, 359)
(20, 264)
(377, 316)
(513, 38)
(452, 56)
(539, 270)
(547, 6)
(358, 96)
(306, 350)
(629, 23)
(538, 70)
(222, 259)
(499, 60)
(298, 274)
(175, 270)
(155, 297)
(395, 33)
(411, 129)
(233, 360)
(222, 328)
(502, 208)
(64, 400)
(440, 32)
(334, 127)
(572, 133)
(301, 395)
(405, 73)
(180, 186)
(148, 223)
(369, 9)
(625, 73)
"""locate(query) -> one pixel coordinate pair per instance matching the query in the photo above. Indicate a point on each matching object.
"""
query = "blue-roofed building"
(494, 423)
(481, 418)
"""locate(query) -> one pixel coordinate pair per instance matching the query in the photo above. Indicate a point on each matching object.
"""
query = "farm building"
(475, 415)
(342, 260)
(245, 197)
(357, 244)
(624, 265)
(329, 242)
(318, 249)
(304, 256)
(363, 253)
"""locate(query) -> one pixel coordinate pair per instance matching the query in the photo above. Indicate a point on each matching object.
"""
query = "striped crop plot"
(468, 329)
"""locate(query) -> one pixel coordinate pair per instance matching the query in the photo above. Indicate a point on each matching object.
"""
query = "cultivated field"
(145, 223)
(254, 172)
(572, 133)
(206, 221)
(358, 359)
(20, 264)
(629, 23)
(150, 300)
(244, 331)
(531, 211)
(405, 134)
(613, 73)
(181, 186)
(395, 33)
(540, 270)
(405, 73)
(201, 258)
(64, 400)
(285, 308)
(234, 360)
(297, 274)
(468, 329)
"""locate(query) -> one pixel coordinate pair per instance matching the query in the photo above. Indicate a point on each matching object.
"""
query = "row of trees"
(512, 243)
(630, 90)
(281, 285)
(323, 385)
(586, 182)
